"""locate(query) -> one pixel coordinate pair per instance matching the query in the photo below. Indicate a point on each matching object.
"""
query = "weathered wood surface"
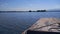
(44, 22)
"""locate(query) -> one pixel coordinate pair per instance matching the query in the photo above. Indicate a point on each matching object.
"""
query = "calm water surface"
(15, 23)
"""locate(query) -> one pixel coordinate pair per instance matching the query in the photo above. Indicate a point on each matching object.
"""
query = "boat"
(44, 26)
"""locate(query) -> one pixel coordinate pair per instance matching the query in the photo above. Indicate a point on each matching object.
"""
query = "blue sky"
(25, 5)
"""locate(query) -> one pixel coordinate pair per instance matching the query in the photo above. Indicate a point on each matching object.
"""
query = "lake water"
(16, 23)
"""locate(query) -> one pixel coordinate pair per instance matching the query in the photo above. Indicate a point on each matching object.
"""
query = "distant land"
(31, 11)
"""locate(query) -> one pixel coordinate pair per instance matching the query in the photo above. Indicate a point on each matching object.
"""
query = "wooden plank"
(43, 24)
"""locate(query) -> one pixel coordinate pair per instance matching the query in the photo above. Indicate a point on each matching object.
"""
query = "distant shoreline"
(23, 11)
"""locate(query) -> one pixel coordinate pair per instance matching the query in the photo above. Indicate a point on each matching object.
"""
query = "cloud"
(3, 4)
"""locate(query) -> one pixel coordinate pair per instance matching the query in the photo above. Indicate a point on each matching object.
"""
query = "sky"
(25, 5)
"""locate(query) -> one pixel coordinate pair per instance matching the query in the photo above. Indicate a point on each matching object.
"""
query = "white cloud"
(2, 5)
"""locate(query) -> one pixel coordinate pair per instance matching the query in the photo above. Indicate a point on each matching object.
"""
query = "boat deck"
(44, 25)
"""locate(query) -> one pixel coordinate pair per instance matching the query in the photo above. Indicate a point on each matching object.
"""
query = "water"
(16, 23)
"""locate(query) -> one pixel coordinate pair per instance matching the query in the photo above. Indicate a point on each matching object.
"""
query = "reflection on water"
(15, 23)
